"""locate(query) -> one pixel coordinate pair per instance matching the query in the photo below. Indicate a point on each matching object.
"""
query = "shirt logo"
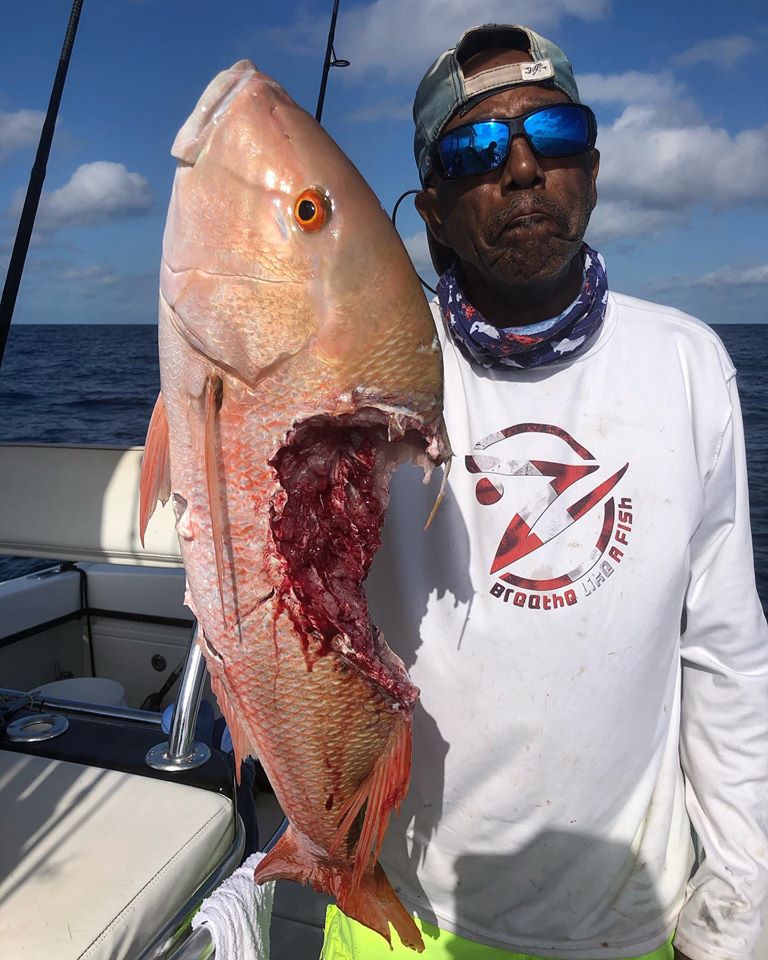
(545, 511)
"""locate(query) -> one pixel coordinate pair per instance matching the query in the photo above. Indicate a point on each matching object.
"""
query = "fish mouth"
(326, 521)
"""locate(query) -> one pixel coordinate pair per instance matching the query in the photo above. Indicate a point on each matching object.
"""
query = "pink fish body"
(299, 364)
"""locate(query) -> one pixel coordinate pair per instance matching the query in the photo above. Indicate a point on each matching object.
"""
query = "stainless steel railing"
(181, 751)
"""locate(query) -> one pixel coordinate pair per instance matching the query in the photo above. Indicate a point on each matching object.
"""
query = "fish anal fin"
(155, 466)
(369, 900)
(381, 792)
(241, 742)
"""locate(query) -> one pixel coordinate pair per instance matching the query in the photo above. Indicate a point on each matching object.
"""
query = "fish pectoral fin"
(371, 900)
(380, 793)
(155, 467)
(216, 496)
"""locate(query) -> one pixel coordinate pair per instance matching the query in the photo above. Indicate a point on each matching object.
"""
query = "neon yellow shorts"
(347, 939)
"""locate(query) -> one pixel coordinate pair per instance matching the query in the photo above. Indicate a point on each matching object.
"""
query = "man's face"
(524, 222)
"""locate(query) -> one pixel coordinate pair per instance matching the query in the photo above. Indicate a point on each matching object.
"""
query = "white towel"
(238, 914)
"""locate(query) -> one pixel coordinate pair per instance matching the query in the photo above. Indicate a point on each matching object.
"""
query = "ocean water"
(97, 384)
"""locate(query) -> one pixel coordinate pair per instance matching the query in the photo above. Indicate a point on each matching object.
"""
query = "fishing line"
(400, 199)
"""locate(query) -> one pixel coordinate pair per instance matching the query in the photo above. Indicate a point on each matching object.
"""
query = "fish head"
(277, 249)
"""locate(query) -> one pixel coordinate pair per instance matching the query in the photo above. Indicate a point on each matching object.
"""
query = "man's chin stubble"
(532, 262)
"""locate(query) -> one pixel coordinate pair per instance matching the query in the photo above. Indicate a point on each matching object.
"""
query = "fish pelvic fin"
(370, 900)
(380, 793)
(155, 467)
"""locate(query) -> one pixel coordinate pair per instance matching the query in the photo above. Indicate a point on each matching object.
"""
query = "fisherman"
(590, 763)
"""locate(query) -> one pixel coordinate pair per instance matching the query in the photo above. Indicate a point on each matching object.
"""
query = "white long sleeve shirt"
(583, 623)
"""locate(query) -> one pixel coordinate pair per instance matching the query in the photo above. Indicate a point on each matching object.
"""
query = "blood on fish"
(329, 528)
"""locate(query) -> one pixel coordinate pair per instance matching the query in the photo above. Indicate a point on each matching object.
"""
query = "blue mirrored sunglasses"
(562, 130)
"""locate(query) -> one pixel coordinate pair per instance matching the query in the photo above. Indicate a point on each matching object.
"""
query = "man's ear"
(429, 211)
(595, 168)
(427, 206)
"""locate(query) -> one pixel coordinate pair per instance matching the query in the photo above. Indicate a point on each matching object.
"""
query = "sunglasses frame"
(516, 129)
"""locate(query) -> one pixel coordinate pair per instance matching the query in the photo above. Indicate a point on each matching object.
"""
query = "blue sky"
(680, 89)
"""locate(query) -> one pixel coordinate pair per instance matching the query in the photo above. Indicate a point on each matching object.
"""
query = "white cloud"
(19, 129)
(95, 193)
(401, 38)
(420, 31)
(96, 275)
(722, 51)
(634, 86)
(744, 277)
(418, 250)
(659, 163)
(97, 280)
(392, 108)
(618, 219)
(59, 286)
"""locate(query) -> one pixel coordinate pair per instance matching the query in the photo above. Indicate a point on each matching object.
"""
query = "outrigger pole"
(36, 179)
(331, 60)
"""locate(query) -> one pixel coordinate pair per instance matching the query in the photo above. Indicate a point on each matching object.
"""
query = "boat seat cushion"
(93, 862)
(69, 502)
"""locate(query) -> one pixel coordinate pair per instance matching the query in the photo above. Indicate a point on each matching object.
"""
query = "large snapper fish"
(299, 365)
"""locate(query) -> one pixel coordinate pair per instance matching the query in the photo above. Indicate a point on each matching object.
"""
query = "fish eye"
(311, 210)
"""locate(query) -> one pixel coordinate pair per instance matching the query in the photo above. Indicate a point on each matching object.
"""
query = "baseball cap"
(444, 90)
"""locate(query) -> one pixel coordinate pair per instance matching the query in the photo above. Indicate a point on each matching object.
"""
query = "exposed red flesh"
(336, 480)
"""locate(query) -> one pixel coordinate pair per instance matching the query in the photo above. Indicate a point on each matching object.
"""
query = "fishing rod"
(36, 180)
(331, 60)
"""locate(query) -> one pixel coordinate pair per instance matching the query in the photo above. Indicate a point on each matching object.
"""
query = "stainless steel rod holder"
(182, 752)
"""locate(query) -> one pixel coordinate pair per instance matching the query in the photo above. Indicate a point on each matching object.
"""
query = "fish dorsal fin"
(381, 792)
(155, 467)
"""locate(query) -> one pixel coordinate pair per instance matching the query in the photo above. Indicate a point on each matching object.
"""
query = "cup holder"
(37, 727)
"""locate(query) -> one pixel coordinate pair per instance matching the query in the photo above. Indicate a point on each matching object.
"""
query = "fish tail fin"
(370, 900)
(381, 792)
(289, 859)
(375, 904)
(155, 467)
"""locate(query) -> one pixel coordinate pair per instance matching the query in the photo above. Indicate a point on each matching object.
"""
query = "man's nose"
(522, 169)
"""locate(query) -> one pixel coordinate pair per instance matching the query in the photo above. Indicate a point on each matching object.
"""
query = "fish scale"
(298, 367)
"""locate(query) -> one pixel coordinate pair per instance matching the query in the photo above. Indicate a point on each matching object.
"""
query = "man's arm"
(724, 722)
